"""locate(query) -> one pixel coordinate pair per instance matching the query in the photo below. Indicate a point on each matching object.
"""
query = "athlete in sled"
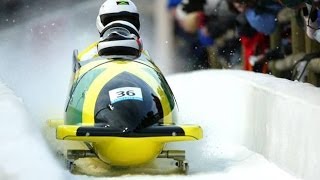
(120, 104)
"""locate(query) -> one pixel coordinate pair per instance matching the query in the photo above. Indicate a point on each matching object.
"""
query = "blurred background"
(38, 39)
(265, 36)
(47, 20)
(275, 37)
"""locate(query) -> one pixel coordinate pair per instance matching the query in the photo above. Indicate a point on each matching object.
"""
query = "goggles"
(123, 32)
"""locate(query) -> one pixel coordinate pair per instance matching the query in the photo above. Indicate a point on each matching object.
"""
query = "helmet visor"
(117, 30)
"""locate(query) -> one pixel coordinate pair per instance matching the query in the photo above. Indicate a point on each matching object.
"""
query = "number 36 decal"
(125, 93)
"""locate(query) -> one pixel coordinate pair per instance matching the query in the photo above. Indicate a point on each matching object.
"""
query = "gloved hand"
(316, 35)
(311, 20)
(255, 59)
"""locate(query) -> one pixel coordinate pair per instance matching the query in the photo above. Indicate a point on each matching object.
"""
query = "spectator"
(312, 22)
(190, 42)
(280, 52)
(261, 15)
(310, 9)
(208, 20)
(253, 42)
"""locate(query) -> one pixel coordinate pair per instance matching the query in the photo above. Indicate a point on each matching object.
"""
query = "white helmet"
(118, 24)
(112, 10)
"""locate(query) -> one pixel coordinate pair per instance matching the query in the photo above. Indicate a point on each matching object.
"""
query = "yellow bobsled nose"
(129, 149)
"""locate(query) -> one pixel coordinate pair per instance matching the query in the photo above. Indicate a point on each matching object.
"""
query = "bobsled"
(124, 111)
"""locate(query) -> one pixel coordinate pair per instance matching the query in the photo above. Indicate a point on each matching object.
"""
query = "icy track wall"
(23, 150)
(274, 117)
(284, 125)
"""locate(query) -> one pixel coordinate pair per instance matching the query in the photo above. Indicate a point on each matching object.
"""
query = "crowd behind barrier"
(266, 36)
(279, 37)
